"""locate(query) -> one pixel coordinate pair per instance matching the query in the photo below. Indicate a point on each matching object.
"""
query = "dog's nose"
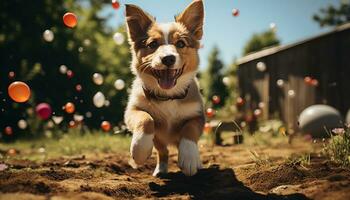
(168, 60)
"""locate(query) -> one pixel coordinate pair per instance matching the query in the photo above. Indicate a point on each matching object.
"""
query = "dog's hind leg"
(162, 160)
(141, 125)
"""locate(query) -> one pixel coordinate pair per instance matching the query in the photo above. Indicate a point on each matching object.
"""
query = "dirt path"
(231, 173)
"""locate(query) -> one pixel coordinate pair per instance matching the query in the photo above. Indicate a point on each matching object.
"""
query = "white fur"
(141, 147)
(189, 160)
(165, 28)
(161, 168)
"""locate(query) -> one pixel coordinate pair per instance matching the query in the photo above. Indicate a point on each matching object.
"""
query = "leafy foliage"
(260, 41)
(338, 148)
(332, 15)
(211, 79)
(85, 49)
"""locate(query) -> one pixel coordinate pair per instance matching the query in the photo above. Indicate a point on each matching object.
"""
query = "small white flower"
(338, 131)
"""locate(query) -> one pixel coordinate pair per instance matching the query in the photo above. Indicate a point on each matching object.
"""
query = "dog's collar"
(151, 95)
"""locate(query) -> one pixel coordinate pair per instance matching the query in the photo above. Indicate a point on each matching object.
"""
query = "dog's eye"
(153, 45)
(180, 44)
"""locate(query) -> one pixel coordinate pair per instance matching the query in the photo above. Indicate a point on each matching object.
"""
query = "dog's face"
(165, 55)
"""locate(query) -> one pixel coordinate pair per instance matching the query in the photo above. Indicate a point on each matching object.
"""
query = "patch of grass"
(302, 160)
(260, 159)
(338, 147)
(69, 144)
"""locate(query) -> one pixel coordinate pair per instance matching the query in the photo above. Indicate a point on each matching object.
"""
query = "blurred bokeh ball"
(317, 120)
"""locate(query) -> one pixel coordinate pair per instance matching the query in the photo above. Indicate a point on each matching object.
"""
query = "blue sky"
(292, 17)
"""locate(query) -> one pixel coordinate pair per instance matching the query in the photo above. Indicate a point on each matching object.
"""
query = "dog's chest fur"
(174, 111)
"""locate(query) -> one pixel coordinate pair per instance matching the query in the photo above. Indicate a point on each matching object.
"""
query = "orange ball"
(106, 126)
(207, 127)
(19, 91)
(12, 152)
(69, 107)
(70, 19)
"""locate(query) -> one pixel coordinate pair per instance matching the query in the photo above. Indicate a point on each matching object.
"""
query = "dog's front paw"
(141, 147)
(189, 161)
(161, 168)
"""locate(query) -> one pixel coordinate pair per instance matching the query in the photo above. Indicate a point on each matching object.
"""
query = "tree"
(211, 79)
(260, 41)
(333, 15)
(35, 61)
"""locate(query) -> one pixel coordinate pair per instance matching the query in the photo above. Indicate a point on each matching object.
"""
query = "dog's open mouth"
(167, 77)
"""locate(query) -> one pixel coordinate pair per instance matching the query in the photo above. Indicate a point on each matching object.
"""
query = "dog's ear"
(138, 22)
(192, 17)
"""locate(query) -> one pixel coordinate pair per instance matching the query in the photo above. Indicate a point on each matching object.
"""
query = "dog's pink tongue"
(166, 80)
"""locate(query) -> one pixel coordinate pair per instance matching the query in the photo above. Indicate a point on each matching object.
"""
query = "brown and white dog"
(165, 106)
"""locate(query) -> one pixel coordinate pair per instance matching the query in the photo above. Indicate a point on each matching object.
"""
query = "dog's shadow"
(211, 183)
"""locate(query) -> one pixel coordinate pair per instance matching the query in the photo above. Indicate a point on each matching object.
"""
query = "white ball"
(107, 103)
(63, 69)
(119, 84)
(226, 80)
(273, 26)
(118, 38)
(291, 93)
(57, 119)
(261, 66)
(99, 99)
(97, 78)
(280, 83)
(48, 36)
(22, 124)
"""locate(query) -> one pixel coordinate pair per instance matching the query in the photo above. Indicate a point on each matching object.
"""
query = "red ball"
(12, 75)
(8, 130)
(70, 19)
(307, 80)
(240, 101)
(70, 74)
(115, 4)
(78, 87)
(314, 82)
(43, 110)
(216, 99)
(235, 12)
(210, 112)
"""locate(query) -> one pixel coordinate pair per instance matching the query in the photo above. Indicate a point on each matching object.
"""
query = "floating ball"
(99, 99)
(280, 83)
(8, 130)
(226, 80)
(257, 112)
(78, 118)
(235, 12)
(307, 80)
(11, 75)
(210, 112)
(207, 127)
(261, 66)
(63, 69)
(72, 124)
(48, 36)
(314, 82)
(118, 38)
(12, 152)
(70, 74)
(240, 101)
(216, 99)
(273, 26)
(22, 124)
(19, 91)
(316, 118)
(115, 4)
(57, 119)
(106, 126)
(97, 78)
(70, 19)
(78, 88)
(291, 93)
(119, 84)
(43, 110)
(69, 107)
